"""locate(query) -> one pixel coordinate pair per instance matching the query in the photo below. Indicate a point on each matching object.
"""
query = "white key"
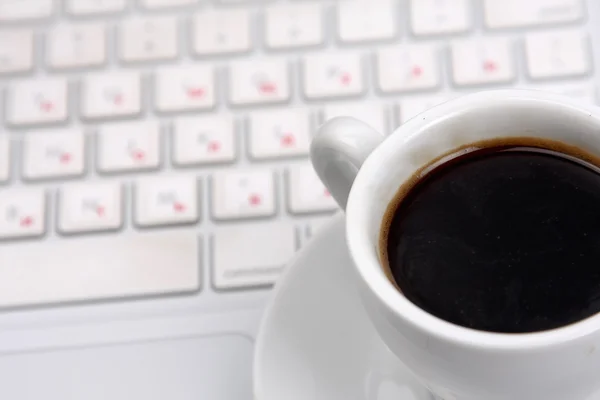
(185, 88)
(49, 154)
(243, 194)
(557, 54)
(94, 7)
(24, 10)
(294, 25)
(204, 140)
(147, 39)
(279, 133)
(96, 268)
(413, 107)
(159, 4)
(363, 20)
(166, 201)
(516, 13)
(4, 157)
(482, 61)
(128, 146)
(37, 102)
(331, 75)
(407, 68)
(251, 255)
(221, 32)
(258, 82)
(372, 114)
(435, 17)
(90, 207)
(76, 45)
(306, 193)
(16, 51)
(22, 213)
(111, 95)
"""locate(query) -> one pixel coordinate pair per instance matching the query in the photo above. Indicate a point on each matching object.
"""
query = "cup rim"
(361, 245)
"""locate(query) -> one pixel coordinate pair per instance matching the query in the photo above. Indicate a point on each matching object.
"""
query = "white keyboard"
(160, 147)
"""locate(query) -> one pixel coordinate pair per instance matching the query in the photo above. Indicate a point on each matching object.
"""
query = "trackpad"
(208, 367)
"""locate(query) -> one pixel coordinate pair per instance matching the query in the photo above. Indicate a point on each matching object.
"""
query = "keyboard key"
(306, 193)
(128, 146)
(517, 13)
(407, 68)
(73, 46)
(51, 154)
(16, 51)
(290, 26)
(363, 21)
(148, 39)
(372, 114)
(25, 10)
(90, 207)
(111, 95)
(185, 88)
(482, 61)
(171, 200)
(121, 267)
(333, 75)
(221, 32)
(204, 140)
(415, 106)
(557, 54)
(251, 255)
(4, 157)
(259, 82)
(94, 7)
(22, 213)
(160, 4)
(243, 194)
(37, 102)
(436, 17)
(281, 133)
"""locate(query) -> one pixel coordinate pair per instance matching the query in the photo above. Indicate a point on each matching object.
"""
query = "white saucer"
(316, 342)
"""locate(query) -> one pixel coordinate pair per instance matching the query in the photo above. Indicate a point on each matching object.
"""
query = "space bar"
(96, 268)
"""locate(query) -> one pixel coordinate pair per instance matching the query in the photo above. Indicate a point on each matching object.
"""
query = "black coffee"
(500, 240)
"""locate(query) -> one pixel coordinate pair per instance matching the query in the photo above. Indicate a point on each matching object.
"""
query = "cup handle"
(338, 151)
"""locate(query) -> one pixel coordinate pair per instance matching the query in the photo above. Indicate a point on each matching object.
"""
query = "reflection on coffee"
(501, 239)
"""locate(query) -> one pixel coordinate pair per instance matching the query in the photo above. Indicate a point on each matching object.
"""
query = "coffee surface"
(501, 241)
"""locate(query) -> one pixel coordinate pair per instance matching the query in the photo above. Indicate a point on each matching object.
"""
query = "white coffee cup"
(363, 171)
